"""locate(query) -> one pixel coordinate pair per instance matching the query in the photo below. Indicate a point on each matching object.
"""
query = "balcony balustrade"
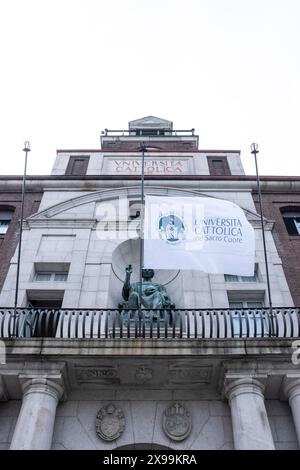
(156, 324)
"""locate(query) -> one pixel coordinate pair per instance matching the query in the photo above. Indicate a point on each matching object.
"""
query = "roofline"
(152, 177)
(100, 150)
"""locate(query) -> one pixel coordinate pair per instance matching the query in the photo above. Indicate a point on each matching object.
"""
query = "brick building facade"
(284, 199)
(10, 203)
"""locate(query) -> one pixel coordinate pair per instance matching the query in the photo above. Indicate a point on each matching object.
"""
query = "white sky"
(229, 68)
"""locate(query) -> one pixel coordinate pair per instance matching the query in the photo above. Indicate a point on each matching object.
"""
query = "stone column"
(34, 428)
(250, 424)
(3, 396)
(292, 392)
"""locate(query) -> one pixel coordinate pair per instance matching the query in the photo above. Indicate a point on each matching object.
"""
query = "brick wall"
(287, 245)
(9, 241)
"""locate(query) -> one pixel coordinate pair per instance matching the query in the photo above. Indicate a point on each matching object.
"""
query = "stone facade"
(75, 424)
(215, 421)
(77, 390)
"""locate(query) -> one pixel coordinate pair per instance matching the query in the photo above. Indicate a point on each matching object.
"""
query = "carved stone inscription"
(153, 166)
(182, 374)
(99, 375)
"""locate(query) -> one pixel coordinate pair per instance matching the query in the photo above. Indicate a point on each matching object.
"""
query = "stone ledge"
(267, 347)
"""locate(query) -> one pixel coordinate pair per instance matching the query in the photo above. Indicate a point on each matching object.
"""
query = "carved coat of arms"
(143, 374)
(110, 422)
(177, 423)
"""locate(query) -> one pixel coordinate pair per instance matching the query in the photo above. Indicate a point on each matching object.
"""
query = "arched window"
(6, 214)
(291, 218)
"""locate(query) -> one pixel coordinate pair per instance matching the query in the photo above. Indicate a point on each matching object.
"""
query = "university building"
(83, 369)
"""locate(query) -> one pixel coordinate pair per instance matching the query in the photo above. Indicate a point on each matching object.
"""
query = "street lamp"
(143, 149)
(255, 151)
(26, 149)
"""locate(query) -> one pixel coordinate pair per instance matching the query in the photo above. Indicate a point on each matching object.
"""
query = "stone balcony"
(150, 324)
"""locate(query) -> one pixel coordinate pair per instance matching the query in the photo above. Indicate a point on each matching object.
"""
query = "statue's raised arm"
(127, 285)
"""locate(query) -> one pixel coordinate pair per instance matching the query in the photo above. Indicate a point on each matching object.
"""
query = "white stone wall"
(111, 163)
(75, 423)
(51, 198)
(9, 412)
(282, 426)
(212, 428)
(69, 234)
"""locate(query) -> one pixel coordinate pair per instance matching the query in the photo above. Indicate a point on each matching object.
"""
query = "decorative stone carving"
(143, 374)
(177, 423)
(98, 375)
(189, 374)
(110, 422)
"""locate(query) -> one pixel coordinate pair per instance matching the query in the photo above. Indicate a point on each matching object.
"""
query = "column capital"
(49, 385)
(236, 384)
(291, 385)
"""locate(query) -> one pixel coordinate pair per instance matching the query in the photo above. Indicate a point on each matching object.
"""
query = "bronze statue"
(149, 296)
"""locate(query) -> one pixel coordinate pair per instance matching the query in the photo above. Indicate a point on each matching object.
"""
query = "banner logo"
(171, 229)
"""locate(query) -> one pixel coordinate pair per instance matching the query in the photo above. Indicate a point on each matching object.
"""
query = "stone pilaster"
(291, 388)
(250, 424)
(34, 428)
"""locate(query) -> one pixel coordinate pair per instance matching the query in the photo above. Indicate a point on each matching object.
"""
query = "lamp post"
(26, 149)
(143, 149)
(255, 151)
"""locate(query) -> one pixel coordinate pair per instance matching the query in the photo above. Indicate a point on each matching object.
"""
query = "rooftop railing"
(156, 324)
(148, 133)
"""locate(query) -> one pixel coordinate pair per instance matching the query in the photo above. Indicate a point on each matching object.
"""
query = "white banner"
(200, 233)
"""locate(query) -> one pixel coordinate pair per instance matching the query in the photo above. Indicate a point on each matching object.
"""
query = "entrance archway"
(143, 446)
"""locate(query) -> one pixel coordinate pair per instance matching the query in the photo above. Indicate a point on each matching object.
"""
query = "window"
(5, 218)
(218, 166)
(249, 315)
(44, 321)
(51, 272)
(60, 277)
(291, 219)
(51, 303)
(4, 226)
(233, 278)
(245, 304)
(44, 298)
(77, 166)
(50, 277)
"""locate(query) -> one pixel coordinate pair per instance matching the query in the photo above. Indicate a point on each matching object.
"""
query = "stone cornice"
(251, 349)
(120, 192)
(60, 223)
(93, 224)
(272, 184)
